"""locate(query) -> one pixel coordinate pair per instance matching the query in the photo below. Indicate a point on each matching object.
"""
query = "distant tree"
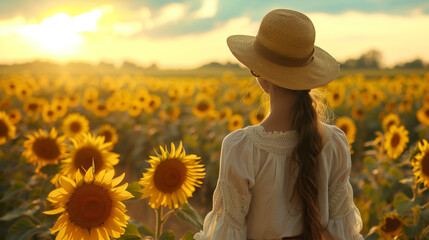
(370, 59)
(127, 65)
(417, 63)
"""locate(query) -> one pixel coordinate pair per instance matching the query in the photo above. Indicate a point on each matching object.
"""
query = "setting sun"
(61, 34)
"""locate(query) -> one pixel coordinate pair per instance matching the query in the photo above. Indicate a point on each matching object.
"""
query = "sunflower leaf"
(131, 233)
(402, 203)
(188, 236)
(50, 169)
(167, 235)
(24, 229)
(146, 231)
(188, 213)
(135, 189)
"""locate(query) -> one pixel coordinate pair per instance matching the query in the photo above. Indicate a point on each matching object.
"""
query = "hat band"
(280, 59)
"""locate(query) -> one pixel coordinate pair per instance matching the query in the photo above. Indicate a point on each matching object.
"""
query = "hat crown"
(287, 33)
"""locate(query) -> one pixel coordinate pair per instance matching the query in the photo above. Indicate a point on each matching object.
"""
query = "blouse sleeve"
(231, 198)
(345, 221)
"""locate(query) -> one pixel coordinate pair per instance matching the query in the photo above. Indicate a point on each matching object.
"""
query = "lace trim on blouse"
(280, 143)
(230, 203)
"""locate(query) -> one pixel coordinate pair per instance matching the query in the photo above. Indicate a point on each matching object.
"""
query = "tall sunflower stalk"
(170, 181)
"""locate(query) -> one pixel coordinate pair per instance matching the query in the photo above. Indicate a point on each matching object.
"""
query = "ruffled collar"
(280, 143)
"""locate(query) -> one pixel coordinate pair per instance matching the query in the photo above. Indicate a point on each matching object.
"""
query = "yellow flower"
(391, 226)
(49, 113)
(142, 97)
(423, 115)
(347, 125)
(203, 107)
(101, 110)
(353, 97)
(406, 104)
(87, 149)
(74, 100)
(224, 113)
(336, 95)
(60, 107)
(75, 124)
(23, 91)
(33, 106)
(230, 95)
(89, 103)
(390, 120)
(396, 140)
(258, 115)
(135, 109)
(109, 134)
(358, 113)
(15, 115)
(171, 113)
(44, 148)
(7, 129)
(235, 122)
(90, 206)
(153, 104)
(421, 163)
(172, 177)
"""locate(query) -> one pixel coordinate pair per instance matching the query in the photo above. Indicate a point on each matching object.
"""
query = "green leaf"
(135, 189)
(50, 169)
(402, 203)
(188, 236)
(187, 213)
(25, 209)
(13, 191)
(370, 163)
(146, 231)
(131, 233)
(24, 229)
(167, 235)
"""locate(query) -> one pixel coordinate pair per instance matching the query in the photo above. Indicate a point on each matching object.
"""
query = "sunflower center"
(3, 129)
(89, 206)
(107, 136)
(344, 128)
(427, 112)
(33, 106)
(390, 123)
(336, 96)
(395, 140)
(50, 113)
(84, 157)
(260, 116)
(75, 127)
(170, 175)
(425, 164)
(46, 148)
(203, 106)
(391, 225)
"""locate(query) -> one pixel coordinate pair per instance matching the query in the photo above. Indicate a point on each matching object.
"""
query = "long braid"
(306, 154)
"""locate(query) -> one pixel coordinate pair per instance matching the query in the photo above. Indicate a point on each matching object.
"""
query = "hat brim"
(319, 72)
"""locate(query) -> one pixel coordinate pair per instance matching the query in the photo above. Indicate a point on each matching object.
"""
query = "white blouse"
(254, 195)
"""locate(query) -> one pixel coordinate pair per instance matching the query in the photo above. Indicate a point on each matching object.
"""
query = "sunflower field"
(129, 156)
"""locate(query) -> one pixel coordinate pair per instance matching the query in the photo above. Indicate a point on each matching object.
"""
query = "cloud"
(208, 9)
(170, 13)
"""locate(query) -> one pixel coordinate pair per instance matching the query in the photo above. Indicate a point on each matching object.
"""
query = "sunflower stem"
(159, 222)
(167, 215)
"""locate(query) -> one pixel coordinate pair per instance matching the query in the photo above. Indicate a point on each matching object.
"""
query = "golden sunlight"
(61, 34)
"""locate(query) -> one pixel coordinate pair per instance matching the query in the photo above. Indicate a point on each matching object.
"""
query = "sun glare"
(60, 34)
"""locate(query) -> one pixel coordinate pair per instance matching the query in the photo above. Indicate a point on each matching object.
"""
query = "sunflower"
(204, 106)
(49, 113)
(423, 115)
(171, 113)
(396, 140)
(257, 116)
(101, 110)
(235, 122)
(390, 106)
(75, 124)
(74, 100)
(347, 125)
(109, 134)
(224, 113)
(421, 164)
(90, 206)
(86, 149)
(153, 104)
(60, 107)
(391, 226)
(134, 109)
(336, 96)
(353, 97)
(5, 103)
(174, 94)
(172, 177)
(15, 115)
(391, 119)
(44, 148)
(358, 113)
(406, 104)
(23, 92)
(7, 129)
(89, 103)
(33, 106)
(230, 95)
(142, 97)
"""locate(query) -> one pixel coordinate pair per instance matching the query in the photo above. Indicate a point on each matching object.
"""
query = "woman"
(288, 177)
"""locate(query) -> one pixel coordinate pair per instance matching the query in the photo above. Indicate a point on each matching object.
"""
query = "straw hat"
(283, 52)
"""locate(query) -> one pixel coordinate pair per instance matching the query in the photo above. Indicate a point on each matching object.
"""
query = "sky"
(189, 33)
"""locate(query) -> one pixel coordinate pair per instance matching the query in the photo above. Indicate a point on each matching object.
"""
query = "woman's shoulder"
(333, 133)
